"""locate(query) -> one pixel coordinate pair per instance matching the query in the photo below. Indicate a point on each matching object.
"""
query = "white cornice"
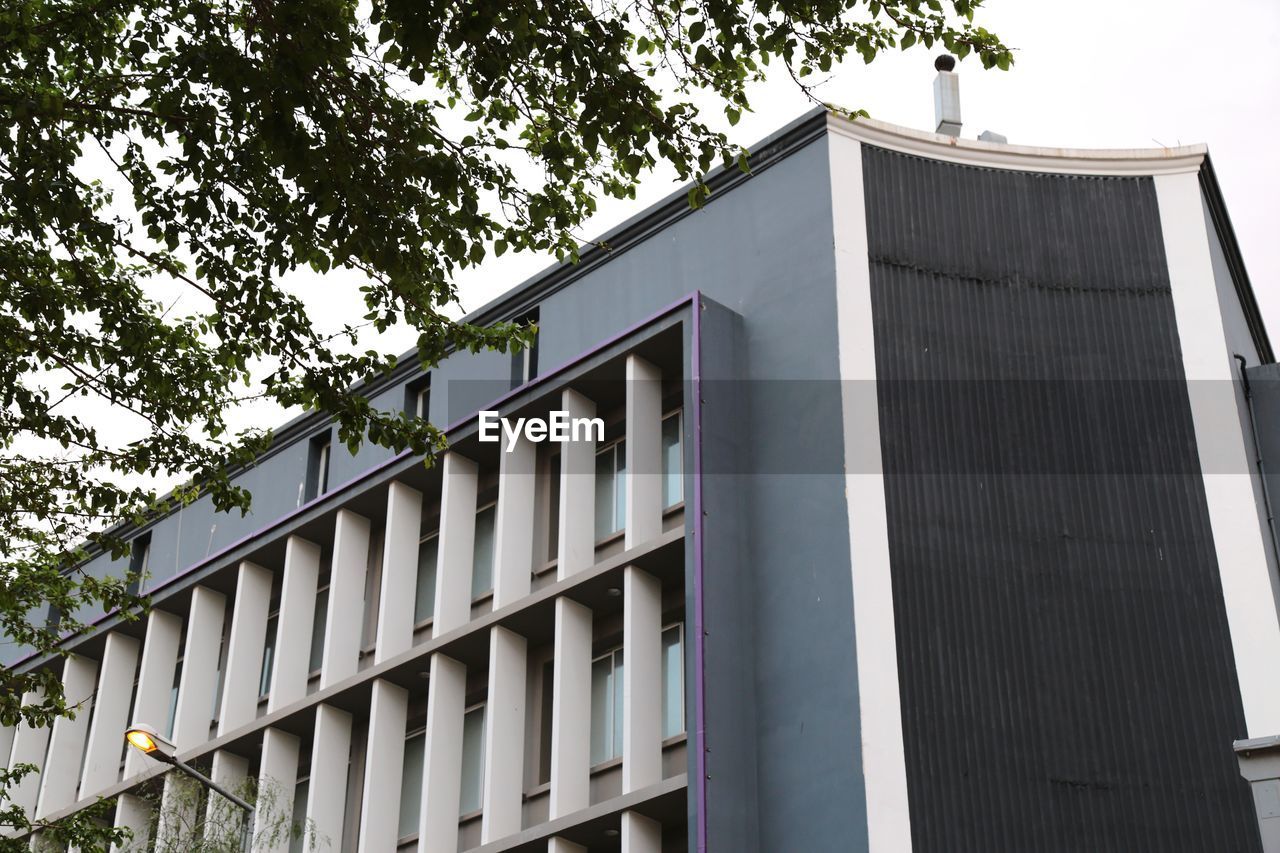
(992, 155)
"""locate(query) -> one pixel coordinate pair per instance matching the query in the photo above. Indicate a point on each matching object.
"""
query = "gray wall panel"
(1066, 671)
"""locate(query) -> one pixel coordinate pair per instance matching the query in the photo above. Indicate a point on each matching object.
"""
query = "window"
(417, 397)
(171, 718)
(524, 362)
(318, 466)
(428, 554)
(553, 507)
(673, 680)
(218, 679)
(411, 784)
(299, 829)
(372, 590)
(472, 761)
(606, 707)
(319, 625)
(53, 618)
(611, 489)
(672, 460)
(544, 734)
(139, 559)
(268, 655)
(482, 552)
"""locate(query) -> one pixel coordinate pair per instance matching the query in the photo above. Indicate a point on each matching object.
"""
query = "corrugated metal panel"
(1066, 671)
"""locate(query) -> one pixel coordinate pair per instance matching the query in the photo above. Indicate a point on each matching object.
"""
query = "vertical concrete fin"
(644, 452)
(399, 571)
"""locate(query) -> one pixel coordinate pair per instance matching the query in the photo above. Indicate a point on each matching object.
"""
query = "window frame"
(319, 458)
(678, 413)
(477, 597)
(267, 670)
(684, 710)
(410, 734)
(614, 652)
(426, 621)
(318, 613)
(482, 706)
(619, 491)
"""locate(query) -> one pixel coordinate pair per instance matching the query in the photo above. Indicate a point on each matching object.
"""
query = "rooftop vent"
(946, 96)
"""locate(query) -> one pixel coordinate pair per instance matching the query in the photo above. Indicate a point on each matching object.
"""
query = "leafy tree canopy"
(220, 145)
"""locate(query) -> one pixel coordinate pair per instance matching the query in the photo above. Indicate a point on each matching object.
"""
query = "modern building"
(927, 515)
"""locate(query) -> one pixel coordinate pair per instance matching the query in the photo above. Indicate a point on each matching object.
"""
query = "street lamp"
(150, 742)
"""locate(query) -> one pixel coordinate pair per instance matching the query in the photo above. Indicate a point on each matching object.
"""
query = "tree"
(218, 146)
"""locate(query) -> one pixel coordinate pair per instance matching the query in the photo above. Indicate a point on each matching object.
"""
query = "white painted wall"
(245, 645)
(640, 834)
(880, 710)
(399, 571)
(460, 481)
(60, 773)
(504, 723)
(346, 592)
(199, 682)
(1240, 541)
(111, 714)
(644, 451)
(641, 680)
(327, 795)
(133, 813)
(295, 622)
(571, 710)
(514, 525)
(155, 681)
(442, 757)
(277, 778)
(223, 819)
(577, 533)
(384, 766)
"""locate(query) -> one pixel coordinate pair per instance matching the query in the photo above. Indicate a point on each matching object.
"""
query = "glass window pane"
(672, 462)
(172, 716)
(482, 554)
(298, 832)
(544, 736)
(604, 493)
(553, 514)
(472, 761)
(672, 682)
(618, 704)
(425, 604)
(268, 657)
(601, 710)
(620, 487)
(321, 620)
(411, 786)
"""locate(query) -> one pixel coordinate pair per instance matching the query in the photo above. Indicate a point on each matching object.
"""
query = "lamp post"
(146, 739)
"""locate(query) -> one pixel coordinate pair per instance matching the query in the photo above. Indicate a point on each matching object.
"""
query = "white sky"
(1089, 74)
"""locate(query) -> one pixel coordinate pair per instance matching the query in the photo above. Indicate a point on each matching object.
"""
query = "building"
(926, 517)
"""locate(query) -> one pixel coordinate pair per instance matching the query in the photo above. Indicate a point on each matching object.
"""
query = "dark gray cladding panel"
(1066, 672)
(1264, 396)
(729, 624)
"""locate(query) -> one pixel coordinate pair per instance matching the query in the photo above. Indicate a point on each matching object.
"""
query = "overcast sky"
(1089, 74)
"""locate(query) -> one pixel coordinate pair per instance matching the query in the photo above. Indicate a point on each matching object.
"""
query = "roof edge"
(999, 155)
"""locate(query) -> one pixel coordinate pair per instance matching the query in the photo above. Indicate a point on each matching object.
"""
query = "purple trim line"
(699, 661)
(334, 494)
